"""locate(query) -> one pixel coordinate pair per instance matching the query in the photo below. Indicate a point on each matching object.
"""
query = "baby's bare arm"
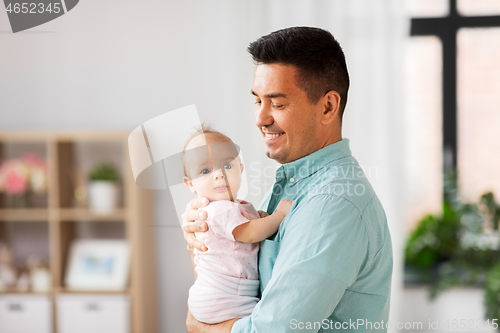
(259, 229)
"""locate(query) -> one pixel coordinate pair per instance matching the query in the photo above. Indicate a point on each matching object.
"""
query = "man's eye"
(277, 106)
(258, 103)
(228, 166)
(205, 171)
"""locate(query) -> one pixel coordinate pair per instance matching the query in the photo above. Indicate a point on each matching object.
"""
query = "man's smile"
(273, 137)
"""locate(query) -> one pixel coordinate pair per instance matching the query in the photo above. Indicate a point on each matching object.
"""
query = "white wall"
(115, 64)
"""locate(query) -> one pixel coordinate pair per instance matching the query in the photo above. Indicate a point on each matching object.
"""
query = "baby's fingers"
(285, 206)
(262, 213)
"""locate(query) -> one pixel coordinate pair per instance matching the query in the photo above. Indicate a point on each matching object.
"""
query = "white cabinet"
(93, 313)
(25, 314)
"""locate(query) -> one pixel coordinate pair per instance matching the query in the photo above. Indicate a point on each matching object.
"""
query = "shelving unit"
(69, 156)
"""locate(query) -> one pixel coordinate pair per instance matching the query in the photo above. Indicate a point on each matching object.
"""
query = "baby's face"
(214, 173)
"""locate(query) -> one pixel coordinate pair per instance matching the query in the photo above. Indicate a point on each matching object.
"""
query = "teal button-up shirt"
(329, 266)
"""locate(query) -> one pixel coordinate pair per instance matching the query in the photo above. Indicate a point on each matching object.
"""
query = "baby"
(228, 281)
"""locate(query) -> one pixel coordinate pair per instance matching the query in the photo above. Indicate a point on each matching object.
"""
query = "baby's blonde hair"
(203, 129)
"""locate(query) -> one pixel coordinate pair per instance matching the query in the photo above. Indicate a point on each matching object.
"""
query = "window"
(453, 100)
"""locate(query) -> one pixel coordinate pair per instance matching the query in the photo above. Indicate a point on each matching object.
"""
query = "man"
(329, 266)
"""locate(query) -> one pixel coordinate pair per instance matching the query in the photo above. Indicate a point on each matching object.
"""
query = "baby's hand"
(262, 213)
(284, 206)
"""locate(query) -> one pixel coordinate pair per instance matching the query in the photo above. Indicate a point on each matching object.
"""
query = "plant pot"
(102, 196)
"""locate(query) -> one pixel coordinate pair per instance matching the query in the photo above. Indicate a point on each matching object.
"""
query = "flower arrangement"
(21, 175)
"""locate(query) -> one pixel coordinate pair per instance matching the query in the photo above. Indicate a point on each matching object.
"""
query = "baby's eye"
(228, 166)
(205, 171)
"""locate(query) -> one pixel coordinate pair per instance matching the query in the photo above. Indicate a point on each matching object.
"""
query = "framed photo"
(98, 265)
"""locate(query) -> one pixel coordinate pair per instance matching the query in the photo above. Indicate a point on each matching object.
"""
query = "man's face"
(289, 124)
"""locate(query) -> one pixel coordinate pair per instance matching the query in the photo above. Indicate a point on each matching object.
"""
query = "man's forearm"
(194, 326)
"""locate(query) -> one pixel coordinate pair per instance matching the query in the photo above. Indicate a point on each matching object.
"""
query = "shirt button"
(292, 179)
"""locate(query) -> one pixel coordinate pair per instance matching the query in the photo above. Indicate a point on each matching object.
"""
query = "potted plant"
(103, 188)
(459, 247)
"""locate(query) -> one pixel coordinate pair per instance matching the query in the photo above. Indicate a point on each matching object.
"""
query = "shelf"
(24, 214)
(6, 136)
(29, 292)
(49, 228)
(91, 136)
(40, 136)
(83, 292)
(65, 214)
(58, 290)
(79, 214)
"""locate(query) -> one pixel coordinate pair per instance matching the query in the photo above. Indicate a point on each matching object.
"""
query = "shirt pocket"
(268, 253)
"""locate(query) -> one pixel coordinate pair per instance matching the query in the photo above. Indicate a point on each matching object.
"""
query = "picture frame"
(98, 265)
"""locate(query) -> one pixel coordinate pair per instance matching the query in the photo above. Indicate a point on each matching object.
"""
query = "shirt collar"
(307, 165)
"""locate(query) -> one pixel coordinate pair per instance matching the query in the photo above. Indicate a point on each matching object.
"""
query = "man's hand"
(189, 227)
(194, 326)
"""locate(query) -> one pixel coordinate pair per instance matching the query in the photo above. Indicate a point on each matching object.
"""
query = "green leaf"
(104, 172)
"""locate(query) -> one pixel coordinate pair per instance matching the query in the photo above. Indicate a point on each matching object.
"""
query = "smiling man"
(329, 266)
(292, 126)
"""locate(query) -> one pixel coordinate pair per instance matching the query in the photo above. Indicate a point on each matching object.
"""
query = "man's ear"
(242, 167)
(189, 184)
(331, 105)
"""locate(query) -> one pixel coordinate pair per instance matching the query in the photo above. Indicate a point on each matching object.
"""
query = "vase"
(102, 196)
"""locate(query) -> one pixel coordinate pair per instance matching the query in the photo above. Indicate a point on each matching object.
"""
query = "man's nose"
(263, 116)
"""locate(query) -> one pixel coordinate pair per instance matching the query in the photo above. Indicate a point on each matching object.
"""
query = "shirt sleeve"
(224, 217)
(323, 249)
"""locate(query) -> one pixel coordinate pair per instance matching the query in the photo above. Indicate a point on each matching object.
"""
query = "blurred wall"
(111, 65)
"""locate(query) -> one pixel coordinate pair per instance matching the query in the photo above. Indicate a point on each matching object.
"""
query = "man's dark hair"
(316, 54)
